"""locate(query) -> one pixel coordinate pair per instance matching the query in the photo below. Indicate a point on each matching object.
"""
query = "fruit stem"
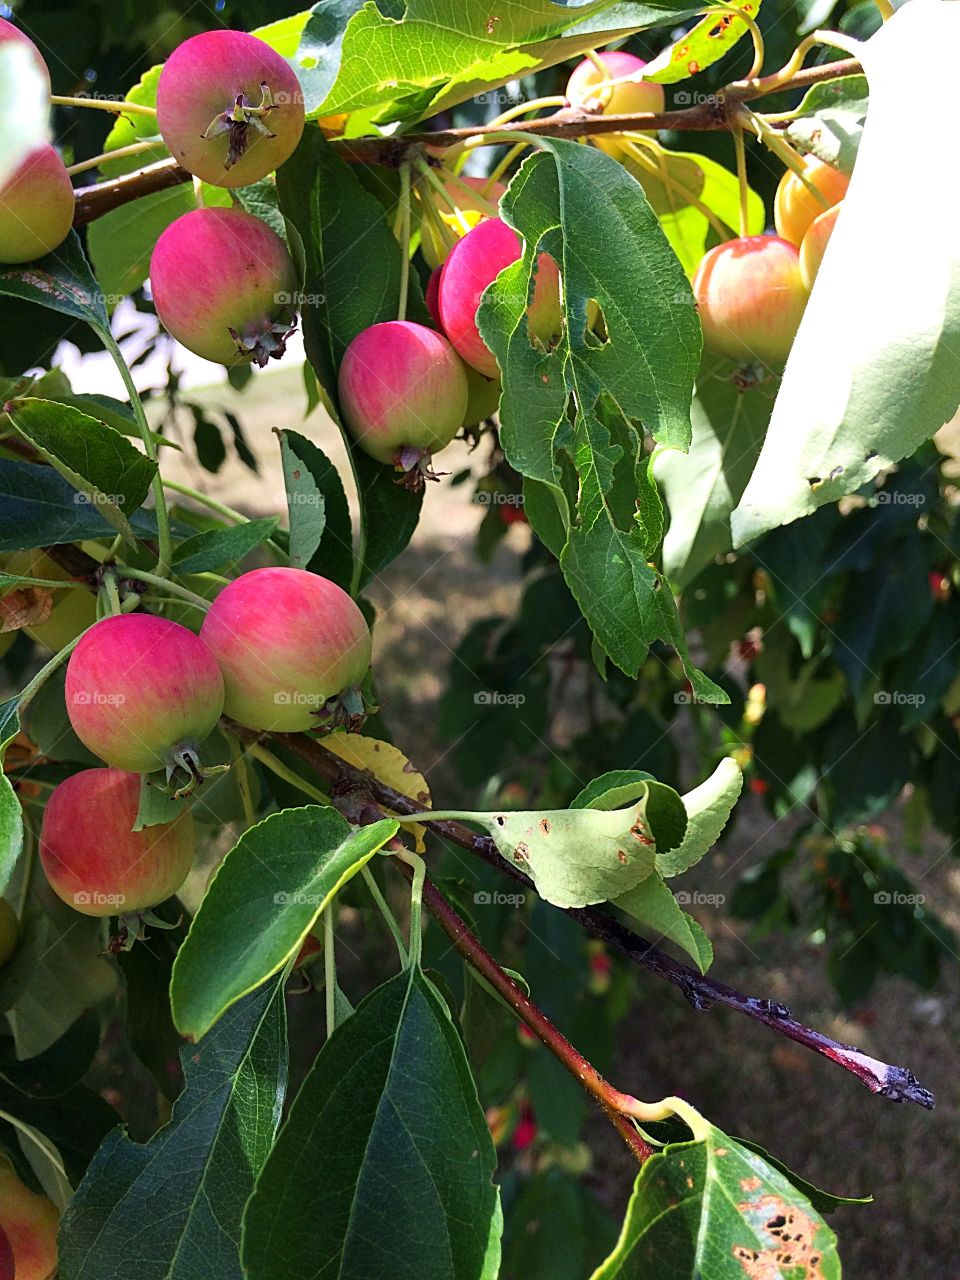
(370, 881)
(784, 151)
(239, 760)
(427, 170)
(781, 79)
(270, 761)
(134, 149)
(651, 1112)
(524, 108)
(329, 969)
(166, 585)
(111, 594)
(632, 143)
(404, 241)
(46, 671)
(104, 104)
(741, 150)
(416, 904)
(503, 165)
(150, 448)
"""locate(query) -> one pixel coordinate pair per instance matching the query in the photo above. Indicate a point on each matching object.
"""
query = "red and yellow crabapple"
(814, 245)
(293, 648)
(473, 264)
(621, 91)
(73, 610)
(403, 392)
(142, 693)
(224, 285)
(229, 107)
(795, 207)
(36, 207)
(93, 858)
(750, 297)
(28, 1229)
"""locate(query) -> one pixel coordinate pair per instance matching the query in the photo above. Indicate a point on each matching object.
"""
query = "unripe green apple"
(74, 609)
(28, 1228)
(93, 858)
(814, 245)
(36, 207)
(622, 91)
(795, 207)
(750, 297)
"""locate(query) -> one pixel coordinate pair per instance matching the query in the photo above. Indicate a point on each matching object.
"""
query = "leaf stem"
(330, 968)
(165, 584)
(134, 149)
(371, 882)
(741, 151)
(632, 144)
(283, 771)
(417, 881)
(524, 109)
(104, 104)
(404, 241)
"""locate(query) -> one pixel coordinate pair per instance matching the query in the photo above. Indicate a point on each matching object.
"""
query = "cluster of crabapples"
(280, 650)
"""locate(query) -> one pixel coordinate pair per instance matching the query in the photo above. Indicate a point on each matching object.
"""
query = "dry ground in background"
(806, 1111)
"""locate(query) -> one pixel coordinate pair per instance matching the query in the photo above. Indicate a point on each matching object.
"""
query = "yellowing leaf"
(390, 766)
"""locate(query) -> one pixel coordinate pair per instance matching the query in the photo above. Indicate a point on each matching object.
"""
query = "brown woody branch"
(717, 112)
(889, 1081)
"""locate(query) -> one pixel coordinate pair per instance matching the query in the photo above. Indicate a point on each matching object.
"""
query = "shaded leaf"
(217, 548)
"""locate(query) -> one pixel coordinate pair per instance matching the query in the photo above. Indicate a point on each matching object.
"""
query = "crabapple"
(73, 610)
(622, 92)
(93, 858)
(474, 263)
(403, 391)
(472, 208)
(9, 34)
(224, 284)
(293, 648)
(229, 108)
(483, 397)
(28, 1229)
(431, 296)
(142, 692)
(9, 934)
(814, 245)
(795, 206)
(751, 298)
(36, 206)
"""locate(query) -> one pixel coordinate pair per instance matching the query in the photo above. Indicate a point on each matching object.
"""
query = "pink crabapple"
(229, 108)
(142, 692)
(814, 245)
(36, 207)
(92, 857)
(750, 298)
(224, 286)
(293, 649)
(28, 1229)
(623, 92)
(9, 34)
(403, 391)
(473, 264)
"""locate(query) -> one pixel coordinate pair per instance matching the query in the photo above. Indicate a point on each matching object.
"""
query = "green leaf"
(321, 533)
(317, 56)
(201, 1166)
(701, 46)
(830, 120)
(61, 281)
(218, 547)
(11, 815)
(39, 508)
(262, 903)
(654, 907)
(612, 789)
(579, 856)
(703, 487)
(59, 1068)
(708, 810)
(385, 1165)
(121, 243)
(101, 464)
(444, 51)
(872, 372)
(714, 1208)
(685, 176)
